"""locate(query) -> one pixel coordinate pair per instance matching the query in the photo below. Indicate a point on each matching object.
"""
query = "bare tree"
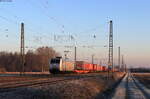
(45, 53)
(34, 61)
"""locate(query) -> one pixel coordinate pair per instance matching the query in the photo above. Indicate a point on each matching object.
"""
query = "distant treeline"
(140, 70)
(35, 61)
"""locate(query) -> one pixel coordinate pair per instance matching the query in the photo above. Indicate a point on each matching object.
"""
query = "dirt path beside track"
(131, 88)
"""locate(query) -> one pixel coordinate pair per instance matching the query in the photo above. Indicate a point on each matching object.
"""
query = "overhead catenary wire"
(8, 20)
(17, 23)
(52, 18)
(14, 22)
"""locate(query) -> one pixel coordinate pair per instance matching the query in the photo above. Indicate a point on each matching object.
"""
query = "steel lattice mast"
(110, 60)
(119, 67)
(22, 49)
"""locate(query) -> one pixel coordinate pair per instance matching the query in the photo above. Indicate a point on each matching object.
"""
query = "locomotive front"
(55, 65)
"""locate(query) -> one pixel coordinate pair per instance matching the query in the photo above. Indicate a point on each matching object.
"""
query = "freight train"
(57, 65)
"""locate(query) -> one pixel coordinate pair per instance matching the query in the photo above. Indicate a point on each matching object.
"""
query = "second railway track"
(39, 82)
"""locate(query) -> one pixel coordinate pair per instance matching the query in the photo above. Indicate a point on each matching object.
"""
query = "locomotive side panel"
(68, 66)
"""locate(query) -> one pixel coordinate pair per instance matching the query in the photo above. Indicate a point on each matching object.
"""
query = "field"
(85, 86)
(144, 78)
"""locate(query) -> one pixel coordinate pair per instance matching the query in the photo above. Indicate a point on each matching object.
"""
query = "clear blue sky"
(81, 18)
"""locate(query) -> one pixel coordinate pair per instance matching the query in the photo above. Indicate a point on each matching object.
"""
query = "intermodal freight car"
(57, 65)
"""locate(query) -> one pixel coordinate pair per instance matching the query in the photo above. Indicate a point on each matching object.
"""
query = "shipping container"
(104, 68)
(80, 65)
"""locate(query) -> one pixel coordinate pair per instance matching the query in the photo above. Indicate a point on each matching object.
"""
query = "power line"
(8, 20)
(52, 18)
(15, 22)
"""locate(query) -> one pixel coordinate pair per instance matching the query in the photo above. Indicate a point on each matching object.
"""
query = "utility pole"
(122, 63)
(93, 61)
(92, 58)
(65, 61)
(75, 56)
(22, 48)
(125, 68)
(100, 62)
(119, 58)
(66, 52)
(110, 61)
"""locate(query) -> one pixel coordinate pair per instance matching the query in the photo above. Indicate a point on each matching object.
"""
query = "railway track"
(130, 88)
(30, 84)
(6, 87)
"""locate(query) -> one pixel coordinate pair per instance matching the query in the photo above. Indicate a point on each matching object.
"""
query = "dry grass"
(15, 79)
(24, 72)
(85, 88)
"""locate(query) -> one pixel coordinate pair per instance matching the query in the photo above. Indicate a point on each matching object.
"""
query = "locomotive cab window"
(55, 61)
